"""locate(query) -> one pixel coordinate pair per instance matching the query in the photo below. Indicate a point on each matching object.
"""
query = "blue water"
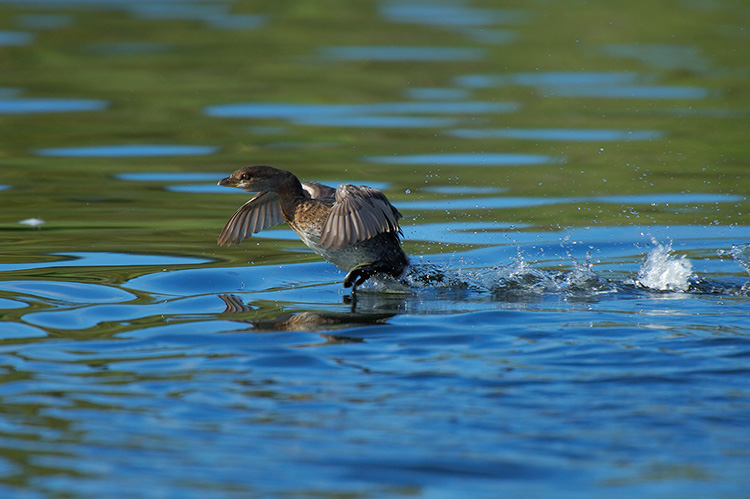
(381, 115)
(27, 105)
(472, 377)
(471, 159)
(563, 134)
(423, 54)
(587, 84)
(15, 38)
(127, 150)
(574, 322)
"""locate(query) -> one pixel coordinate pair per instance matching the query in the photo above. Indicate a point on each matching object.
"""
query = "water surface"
(574, 190)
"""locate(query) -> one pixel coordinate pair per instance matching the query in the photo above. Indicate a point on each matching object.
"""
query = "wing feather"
(261, 212)
(243, 226)
(252, 221)
(342, 234)
(358, 213)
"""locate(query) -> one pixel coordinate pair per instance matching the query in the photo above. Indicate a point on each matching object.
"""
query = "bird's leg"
(357, 276)
(362, 272)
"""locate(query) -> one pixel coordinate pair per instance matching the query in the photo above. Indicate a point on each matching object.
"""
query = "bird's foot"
(361, 273)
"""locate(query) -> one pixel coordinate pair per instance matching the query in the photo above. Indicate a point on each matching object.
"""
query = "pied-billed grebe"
(354, 227)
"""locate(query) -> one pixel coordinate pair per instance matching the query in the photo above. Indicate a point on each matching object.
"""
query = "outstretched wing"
(358, 214)
(261, 212)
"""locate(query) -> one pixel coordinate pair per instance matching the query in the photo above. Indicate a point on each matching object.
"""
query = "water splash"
(662, 271)
(516, 280)
(740, 253)
(582, 280)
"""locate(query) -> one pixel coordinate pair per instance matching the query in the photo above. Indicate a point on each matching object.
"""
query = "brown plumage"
(354, 227)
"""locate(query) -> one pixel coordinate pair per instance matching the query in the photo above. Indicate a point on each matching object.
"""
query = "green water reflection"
(160, 97)
(556, 114)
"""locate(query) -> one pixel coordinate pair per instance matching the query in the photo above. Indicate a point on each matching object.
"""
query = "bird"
(354, 227)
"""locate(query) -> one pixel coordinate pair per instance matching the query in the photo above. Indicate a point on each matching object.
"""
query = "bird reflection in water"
(303, 321)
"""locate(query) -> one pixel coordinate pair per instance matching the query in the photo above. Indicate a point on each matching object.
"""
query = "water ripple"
(470, 159)
(128, 150)
(203, 281)
(631, 92)
(428, 93)
(380, 115)
(586, 84)
(212, 179)
(448, 15)
(464, 189)
(548, 79)
(500, 202)
(660, 56)
(457, 232)
(169, 177)
(6, 92)
(44, 21)
(19, 331)
(128, 48)
(6, 303)
(377, 121)
(302, 112)
(216, 16)
(669, 198)
(15, 38)
(68, 292)
(91, 315)
(557, 134)
(101, 259)
(35, 106)
(490, 36)
(400, 54)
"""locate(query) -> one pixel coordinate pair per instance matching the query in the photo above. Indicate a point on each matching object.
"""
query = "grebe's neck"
(292, 194)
